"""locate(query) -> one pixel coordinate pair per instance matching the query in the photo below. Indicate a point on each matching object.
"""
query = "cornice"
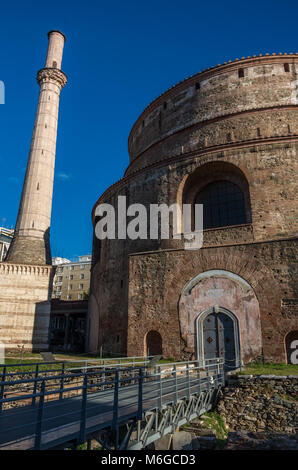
(181, 250)
(51, 74)
(29, 269)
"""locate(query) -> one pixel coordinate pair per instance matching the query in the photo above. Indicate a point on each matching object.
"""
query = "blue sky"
(118, 57)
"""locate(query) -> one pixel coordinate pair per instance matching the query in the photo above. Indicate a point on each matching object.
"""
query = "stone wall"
(25, 306)
(158, 279)
(263, 403)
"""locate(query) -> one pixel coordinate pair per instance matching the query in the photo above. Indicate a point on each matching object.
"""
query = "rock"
(207, 442)
(164, 443)
(182, 440)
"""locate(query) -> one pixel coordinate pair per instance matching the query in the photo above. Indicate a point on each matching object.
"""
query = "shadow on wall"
(41, 327)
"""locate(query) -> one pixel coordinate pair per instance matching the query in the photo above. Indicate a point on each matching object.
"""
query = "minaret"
(31, 239)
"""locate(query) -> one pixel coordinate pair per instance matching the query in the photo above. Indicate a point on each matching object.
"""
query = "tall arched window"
(223, 204)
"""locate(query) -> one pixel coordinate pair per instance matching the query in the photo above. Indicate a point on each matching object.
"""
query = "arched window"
(223, 204)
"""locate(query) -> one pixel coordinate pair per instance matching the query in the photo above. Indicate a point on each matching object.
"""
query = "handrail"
(71, 361)
(168, 382)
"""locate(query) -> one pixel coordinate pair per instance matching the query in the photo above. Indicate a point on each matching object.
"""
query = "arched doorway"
(153, 343)
(218, 336)
(237, 299)
(291, 342)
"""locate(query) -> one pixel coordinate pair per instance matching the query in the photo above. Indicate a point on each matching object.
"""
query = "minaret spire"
(31, 239)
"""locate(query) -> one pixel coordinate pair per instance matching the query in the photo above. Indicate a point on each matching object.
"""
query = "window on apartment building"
(59, 278)
(82, 276)
(68, 297)
(241, 73)
(60, 270)
(69, 286)
(287, 67)
(80, 296)
(71, 277)
(82, 266)
(81, 286)
(71, 268)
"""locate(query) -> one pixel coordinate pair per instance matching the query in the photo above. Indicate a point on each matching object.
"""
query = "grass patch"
(215, 422)
(270, 369)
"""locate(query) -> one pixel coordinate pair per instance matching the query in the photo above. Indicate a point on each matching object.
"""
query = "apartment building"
(72, 278)
(6, 236)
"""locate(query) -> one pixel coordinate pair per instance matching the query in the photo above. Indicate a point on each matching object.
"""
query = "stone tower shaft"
(31, 240)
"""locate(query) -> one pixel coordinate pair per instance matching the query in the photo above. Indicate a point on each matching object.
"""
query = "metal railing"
(42, 369)
(78, 399)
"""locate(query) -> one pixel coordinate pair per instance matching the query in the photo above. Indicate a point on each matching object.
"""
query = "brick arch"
(225, 290)
(212, 171)
(260, 278)
(227, 258)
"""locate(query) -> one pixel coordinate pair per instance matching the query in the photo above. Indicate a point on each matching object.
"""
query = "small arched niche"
(153, 343)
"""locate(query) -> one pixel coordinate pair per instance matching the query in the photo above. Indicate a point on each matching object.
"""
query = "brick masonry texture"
(25, 306)
(239, 129)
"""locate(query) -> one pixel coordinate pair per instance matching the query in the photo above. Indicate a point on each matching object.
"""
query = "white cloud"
(63, 176)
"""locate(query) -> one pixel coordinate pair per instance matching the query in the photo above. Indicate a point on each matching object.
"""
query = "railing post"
(175, 379)
(223, 374)
(83, 410)
(199, 378)
(2, 386)
(62, 381)
(160, 388)
(133, 372)
(115, 408)
(188, 380)
(35, 385)
(103, 377)
(216, 375)
(207, 377)
(38, 430)
(140, 397)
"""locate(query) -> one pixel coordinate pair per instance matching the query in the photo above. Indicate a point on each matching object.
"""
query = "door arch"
(153, 343)
(217, 335)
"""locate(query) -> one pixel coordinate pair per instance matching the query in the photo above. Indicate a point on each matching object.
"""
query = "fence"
(77, 402)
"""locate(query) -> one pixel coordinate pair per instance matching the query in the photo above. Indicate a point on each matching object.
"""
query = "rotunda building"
(225, 138)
